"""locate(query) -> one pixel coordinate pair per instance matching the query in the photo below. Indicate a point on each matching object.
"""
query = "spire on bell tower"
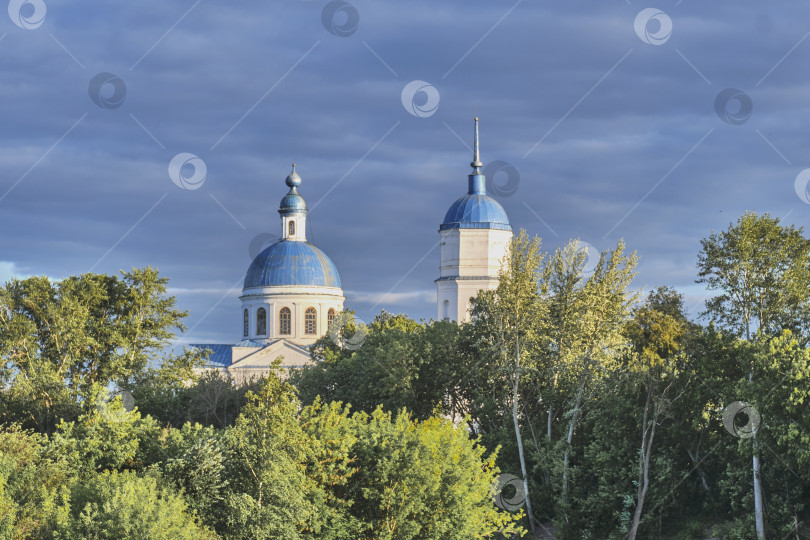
(476, 163)
(476, 180)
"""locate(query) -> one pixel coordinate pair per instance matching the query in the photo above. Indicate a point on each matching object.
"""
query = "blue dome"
(291, 262)
(292, 202)
(476, 211)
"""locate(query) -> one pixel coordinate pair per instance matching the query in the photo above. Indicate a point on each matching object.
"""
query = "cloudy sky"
(604, 120)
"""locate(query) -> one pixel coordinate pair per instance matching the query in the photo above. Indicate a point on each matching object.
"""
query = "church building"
(290, 296)
(292, 290)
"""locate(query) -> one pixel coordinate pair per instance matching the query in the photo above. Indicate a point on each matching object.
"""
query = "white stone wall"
(300, 220)
(297, 299)
(470, 253)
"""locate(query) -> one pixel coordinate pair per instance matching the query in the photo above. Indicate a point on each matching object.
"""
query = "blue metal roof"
(220, 354)
(290, 262)
(476, 211)
(292, 202)
(249, 343)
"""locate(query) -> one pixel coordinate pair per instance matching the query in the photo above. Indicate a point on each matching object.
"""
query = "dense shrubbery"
(279, 471)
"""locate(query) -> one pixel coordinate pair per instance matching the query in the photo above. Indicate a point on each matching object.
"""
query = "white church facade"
(292, 290)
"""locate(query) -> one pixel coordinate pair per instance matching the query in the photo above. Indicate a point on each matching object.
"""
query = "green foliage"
(762, 270)
(113, 505)
(618, 407)
(331, 469)
(266, 495)
(195, 463)
(106, 437)
(59, 339)
(401, 363)
(390, 477)
(175, 394)
(34, 485)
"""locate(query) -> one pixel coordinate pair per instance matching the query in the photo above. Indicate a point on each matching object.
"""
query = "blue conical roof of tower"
(476, 209)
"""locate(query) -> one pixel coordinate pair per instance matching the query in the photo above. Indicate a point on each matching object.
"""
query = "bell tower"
(475, 236)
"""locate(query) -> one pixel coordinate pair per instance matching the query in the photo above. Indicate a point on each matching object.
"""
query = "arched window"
(246, 323)
(261, 321)
(284, 318)
(310, 321)
(330, 317)
(446, 309)
(291, 228)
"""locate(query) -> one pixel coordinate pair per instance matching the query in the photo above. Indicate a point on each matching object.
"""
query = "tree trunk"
(759, 512)
(519, 439)
(569, 438)
(695, 457)
(520, 453)
(644, 463)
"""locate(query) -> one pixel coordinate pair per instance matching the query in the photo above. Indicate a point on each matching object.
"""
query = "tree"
(106, 437)
(267, 495)
(779, 392)
(332, 467)
(508, 321)
(656, 331)
(763, 271)
(399, 363)
(193, 459)
(584, 336)
(34, 485)
(113, 505)
(174, 394)
(387, 477)
(60, 338)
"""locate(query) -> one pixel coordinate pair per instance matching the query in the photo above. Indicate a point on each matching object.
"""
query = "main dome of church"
(291, 262)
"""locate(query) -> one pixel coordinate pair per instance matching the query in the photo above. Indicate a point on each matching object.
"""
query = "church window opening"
(310, 321)
(284, 319)
(330, 317)
(246, 323)
(261, 321)
(291, 228)
(446, 309)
